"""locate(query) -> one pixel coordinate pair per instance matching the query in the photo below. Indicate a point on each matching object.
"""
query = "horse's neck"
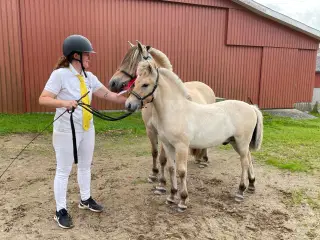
(160, 58)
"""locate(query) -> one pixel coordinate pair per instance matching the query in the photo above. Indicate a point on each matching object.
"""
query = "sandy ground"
(134, 212)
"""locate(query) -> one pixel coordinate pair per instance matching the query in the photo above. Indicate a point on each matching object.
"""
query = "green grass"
(287, 144)
(300, 196)
(34, 123)
(290, 144)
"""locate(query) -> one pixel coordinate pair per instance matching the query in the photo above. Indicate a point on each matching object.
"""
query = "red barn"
(238, 47)
(316, 90)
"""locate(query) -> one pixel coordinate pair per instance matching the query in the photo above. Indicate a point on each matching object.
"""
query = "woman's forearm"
(50, 102)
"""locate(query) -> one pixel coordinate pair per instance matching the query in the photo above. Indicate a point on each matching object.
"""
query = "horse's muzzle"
(115, 85)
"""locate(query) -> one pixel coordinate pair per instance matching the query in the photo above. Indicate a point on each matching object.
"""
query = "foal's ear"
(150, 68)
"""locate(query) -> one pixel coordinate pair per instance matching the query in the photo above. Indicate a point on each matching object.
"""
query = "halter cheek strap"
(149, 94)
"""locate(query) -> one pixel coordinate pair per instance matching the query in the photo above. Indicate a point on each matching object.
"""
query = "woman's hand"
(106, 94)
(48, 99)
(69, 104)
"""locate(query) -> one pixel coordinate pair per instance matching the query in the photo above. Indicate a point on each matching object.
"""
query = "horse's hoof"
(203, 165)
(182, 207)
(251, 189)
(239, 197)
(180, 210)
(170, 200)
(160, 191)
(152, 179)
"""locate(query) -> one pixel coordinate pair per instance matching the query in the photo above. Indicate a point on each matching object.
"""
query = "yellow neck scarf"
(86, 116)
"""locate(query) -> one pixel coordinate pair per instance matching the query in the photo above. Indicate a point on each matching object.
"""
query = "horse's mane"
(145, 68)
(133, 56)
(131, 59)
(161, 59)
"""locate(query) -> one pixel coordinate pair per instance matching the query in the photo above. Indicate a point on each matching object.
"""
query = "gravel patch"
(292, 113)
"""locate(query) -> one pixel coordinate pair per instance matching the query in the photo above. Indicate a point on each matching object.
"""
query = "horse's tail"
(257, 135)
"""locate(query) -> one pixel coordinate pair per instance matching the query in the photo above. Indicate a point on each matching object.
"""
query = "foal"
(183, 124)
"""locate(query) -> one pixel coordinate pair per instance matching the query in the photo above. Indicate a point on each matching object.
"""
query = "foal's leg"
(242, 150)
(173, 180)
(170, 153)
(162, 181)
(251, 188)
(153, 137)
(181, 163)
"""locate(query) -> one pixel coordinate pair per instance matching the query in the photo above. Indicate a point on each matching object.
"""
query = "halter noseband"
(149, 94)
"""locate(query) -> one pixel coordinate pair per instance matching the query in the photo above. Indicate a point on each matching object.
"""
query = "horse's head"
(144, 86)
(126, 74)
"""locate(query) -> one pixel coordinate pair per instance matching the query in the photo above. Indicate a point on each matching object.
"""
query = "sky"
(305, 11)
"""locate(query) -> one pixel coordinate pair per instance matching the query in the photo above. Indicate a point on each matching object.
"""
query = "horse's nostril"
(129, 106)
(113, 84)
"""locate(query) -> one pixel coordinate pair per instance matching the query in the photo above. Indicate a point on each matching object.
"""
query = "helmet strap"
(72, 58)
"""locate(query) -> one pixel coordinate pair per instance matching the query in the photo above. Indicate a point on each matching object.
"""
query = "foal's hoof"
(239, 197)
(160, 191)
(251, 189)
(152, 179)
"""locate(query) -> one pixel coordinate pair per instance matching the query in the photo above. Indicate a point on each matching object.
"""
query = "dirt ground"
(120, 171)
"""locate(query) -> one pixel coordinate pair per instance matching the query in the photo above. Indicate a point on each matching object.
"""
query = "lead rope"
(39, 135)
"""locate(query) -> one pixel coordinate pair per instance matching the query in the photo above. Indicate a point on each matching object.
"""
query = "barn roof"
(278, 17)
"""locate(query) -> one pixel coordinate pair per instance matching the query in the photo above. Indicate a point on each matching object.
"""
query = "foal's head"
(144, 86)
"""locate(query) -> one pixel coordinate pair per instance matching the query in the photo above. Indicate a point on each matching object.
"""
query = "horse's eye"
(145, 85)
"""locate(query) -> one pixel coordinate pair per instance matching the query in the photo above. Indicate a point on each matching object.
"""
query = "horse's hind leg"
(251, 188)
(162, 180)
(153, 137)
(201, 157)
(242, 150)
(204, 157)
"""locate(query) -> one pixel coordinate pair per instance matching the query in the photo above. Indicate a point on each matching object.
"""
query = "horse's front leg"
(161, 189)
(181, 163)
(153, 137)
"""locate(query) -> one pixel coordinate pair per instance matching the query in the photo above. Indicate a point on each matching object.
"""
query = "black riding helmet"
(76, 44)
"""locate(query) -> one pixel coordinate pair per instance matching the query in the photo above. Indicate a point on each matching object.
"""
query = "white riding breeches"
(63, 146)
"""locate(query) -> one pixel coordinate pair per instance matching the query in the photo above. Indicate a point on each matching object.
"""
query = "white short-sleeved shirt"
(64, 83)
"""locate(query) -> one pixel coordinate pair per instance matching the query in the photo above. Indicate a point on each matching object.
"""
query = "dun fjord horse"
(124, 78)
(182, 124)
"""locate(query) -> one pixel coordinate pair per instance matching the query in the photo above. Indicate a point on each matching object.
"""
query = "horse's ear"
(139, 46)
(131, 45)
(148, 48)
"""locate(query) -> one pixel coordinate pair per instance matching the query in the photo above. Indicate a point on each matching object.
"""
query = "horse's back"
(241, 113)
(200, 92)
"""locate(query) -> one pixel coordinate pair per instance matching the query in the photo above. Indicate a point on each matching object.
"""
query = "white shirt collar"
(74, 71)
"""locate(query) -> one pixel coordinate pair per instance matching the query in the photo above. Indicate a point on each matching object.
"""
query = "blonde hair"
(62, 63)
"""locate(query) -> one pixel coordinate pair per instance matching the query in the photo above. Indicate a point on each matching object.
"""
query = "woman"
(67, 83)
